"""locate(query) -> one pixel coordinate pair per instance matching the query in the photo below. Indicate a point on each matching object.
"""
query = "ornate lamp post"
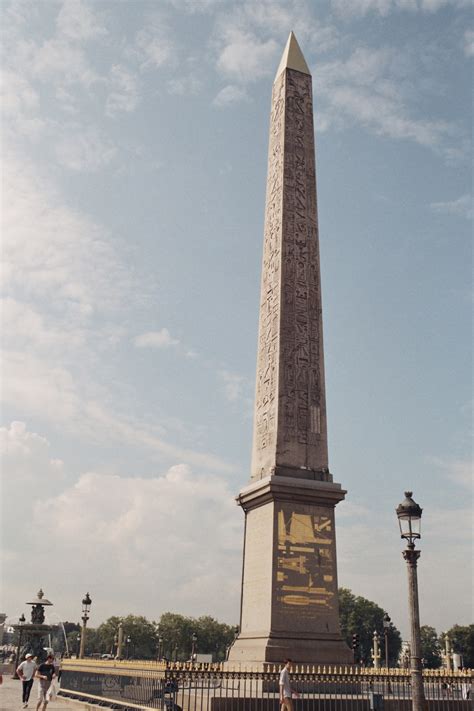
(387, 623)
(193, 645)
(86, 605)
(409, 519)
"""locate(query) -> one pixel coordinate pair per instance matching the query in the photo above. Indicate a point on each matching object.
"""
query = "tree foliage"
(462, 642)
(175, 632)
(142, 634)
(430, 647)
(361, 616)
(213, 637)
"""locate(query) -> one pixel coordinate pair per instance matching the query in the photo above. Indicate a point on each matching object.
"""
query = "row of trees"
(171, 636)
(362, 617)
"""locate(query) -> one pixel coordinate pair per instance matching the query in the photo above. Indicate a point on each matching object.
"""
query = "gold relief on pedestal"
(305, 566)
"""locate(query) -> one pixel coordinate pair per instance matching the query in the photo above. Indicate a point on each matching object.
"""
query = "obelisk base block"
(289, 588)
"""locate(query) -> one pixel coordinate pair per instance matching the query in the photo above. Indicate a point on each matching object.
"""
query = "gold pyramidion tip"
(292, 58)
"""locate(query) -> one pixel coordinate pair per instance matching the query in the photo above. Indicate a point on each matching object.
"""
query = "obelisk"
(289, 604)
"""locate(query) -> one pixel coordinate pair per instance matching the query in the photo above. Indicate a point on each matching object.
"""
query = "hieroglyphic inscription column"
(289, 583)
(290, 435)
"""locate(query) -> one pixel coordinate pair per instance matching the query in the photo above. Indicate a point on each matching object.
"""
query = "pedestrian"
(286, 692)
(26, 671)
(45, 674)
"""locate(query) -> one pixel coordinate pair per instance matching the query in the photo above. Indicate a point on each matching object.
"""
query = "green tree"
(430, 647)
(361, 616)
(142, 634)
(176, 631)
(213, 637)
(462, 642)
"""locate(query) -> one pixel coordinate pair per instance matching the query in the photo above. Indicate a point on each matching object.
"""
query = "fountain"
(32, 633)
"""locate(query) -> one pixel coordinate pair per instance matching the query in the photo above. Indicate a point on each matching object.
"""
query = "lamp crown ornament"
(409, 519)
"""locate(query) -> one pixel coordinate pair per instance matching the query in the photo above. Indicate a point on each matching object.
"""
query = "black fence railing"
(187, 687)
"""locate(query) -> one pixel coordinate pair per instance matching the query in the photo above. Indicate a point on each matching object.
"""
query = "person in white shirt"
(26, 672)
(286, 692)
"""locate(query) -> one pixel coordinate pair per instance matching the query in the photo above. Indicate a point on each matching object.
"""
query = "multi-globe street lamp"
(409, 519)
(387, 623)
(86, 606)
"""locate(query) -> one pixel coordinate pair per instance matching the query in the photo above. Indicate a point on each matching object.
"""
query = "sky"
(134, 144)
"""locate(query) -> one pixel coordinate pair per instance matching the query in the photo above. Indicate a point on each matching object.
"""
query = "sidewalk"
(10, 698)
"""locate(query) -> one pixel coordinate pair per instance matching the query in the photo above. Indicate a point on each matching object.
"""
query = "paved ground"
(10, 698)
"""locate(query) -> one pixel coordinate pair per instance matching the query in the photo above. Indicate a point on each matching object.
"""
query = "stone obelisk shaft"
(289, 581)
(290, 433)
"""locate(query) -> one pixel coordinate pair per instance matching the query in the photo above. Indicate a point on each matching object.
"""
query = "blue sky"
(134, 140)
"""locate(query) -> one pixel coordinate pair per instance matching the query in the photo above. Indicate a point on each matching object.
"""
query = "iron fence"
(194, 687)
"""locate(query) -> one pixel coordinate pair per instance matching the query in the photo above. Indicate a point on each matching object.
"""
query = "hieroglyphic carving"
(268, 346)
(290, 409)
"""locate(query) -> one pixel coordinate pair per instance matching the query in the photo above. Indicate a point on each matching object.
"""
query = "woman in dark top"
(45, 674)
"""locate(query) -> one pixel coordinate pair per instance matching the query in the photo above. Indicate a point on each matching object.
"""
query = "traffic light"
(355, 641)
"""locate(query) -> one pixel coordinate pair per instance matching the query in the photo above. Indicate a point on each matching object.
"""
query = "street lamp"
(86, 605)
(409, 519)
(387, 623)
(78, 640)
(160, 647)
(128, 640)
(193, 646)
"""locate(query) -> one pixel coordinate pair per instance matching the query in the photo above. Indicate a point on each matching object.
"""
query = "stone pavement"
(10, 698)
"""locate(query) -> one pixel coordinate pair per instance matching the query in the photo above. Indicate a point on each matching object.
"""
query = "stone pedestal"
(289, 587)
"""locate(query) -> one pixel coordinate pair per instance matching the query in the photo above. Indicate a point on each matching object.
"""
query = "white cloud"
(62, 61)
(245, 57)
(373, 87)
(155, 339)
(124, 92)
(350, 8)
(51, 251)
(460, 471)
(154, 46)
(469, 43)
(182, 86)
(233, 385)
(151, 529)
(20, 105)
(461, 207)
(84, 150)
(77, 21)
(29, 472)
(229, 95)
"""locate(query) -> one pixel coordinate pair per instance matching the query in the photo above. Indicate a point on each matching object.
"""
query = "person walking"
(286, 692)
(26, 672)
(45, 673)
